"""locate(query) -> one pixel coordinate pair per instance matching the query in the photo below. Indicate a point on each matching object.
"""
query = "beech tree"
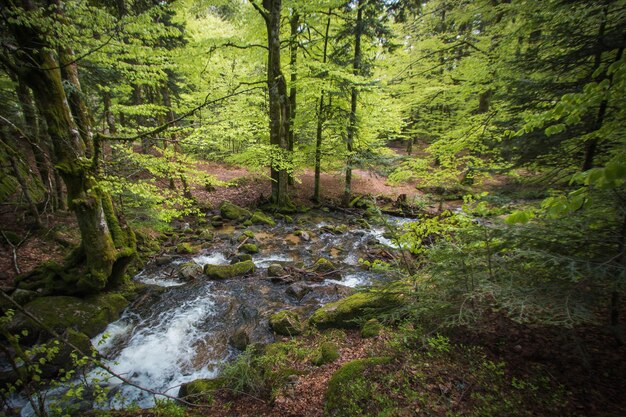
(107, 244)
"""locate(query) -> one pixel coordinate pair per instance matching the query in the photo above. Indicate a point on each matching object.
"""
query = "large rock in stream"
(232, 211)
(86, 315)
(228, 271)
(345, 313)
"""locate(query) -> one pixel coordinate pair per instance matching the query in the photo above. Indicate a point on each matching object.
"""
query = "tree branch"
(101, 137)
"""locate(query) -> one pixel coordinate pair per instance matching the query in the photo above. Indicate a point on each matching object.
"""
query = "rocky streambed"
(193, 320)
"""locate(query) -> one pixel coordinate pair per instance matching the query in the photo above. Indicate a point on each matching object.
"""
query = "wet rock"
(261, 218)
(327, 293)
(228, 271)
(298, 290)
(240, 257)
(325, 269)
(286, 323)
(190, 271)
(371, 328)
(249, 248)
(303, 234)
(335, 230)
(232, 211)
(200, 391)
(239, 340)
(327, 353)
(344, 313)
(163, 260)
(276, 270)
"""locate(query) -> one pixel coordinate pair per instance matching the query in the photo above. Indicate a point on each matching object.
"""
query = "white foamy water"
(161, 279)
(351, 280)
(216, 258)
(163, 352)
(266, 261)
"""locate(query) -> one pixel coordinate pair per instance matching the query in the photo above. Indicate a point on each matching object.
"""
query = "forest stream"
(183, 330)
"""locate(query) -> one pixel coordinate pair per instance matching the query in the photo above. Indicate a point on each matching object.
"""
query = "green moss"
(345, 313)
(200, 391)
(261, 218)
(231, 211)
(345, 391)
(323, 265)
(206, 234)
(247, 223)
(248, 233)
(286, 323)
(327, 353)
(228, 271)
(371, 328)
(186, 248)
(249, 248)
(90, 315)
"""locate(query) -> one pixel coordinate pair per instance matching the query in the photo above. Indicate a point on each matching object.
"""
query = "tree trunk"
(294, 22)
(320, 122)
(107, 244)
(278, 101)
(352, 122)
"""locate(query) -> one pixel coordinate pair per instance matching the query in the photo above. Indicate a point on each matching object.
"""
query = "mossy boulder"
(327, 353)
(86, 315)
(345, 312)
(341, 397)
(261, 218)
(371, 328)
(186, 248)
(200, 391)
(228, 271)
(286, 323)
(249, 248)
(232, 211)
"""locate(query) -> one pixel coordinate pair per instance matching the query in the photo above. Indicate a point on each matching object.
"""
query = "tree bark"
(321, 118)
(278, 101)
(294, 23)
(352, 122)
(107, 243)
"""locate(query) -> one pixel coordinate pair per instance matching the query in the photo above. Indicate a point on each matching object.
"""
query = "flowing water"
(180, 331)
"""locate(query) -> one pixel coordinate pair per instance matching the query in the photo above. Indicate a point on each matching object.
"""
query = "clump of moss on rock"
(89, 315)
(200, 391)
(261, 218)
(232, 211)
(228, 271)
(345, 312)
(327, 353)
(186, 248)
(286, 323)
(371, 328)
(249, 248)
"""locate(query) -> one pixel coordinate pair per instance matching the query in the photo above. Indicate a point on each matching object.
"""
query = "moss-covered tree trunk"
(107, 244)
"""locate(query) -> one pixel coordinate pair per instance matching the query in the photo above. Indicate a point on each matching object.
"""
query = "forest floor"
(28, 249)
(582, 369)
